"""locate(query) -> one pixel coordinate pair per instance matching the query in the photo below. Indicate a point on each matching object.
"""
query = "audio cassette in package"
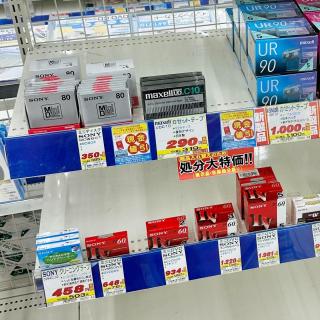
(173, 95)
(104, 100)
(51, 103)
(116, 68)
(264, 11)
(282, 46)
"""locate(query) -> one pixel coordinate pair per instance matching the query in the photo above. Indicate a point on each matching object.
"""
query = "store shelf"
(123, 198)
(42, 154)
(20, 206)
(33, 155)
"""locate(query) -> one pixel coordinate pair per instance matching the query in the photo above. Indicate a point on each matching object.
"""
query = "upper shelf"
(209, 52)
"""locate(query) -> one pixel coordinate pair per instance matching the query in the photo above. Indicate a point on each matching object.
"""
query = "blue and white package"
(265, 11)
(282, 46)
(237, 3)
(51, 239)
(278, 89)
(230, 26)
(58, 254)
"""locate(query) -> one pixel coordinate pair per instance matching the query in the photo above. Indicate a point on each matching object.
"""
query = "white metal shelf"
(208, 52)
(20, 206)
(123, 198)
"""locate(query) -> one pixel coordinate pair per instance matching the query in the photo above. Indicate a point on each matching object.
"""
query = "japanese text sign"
(175, 265)
(181, 136)
(91, 148)
(131, 143)
(68, 284)
(215, 163)
(237, 129)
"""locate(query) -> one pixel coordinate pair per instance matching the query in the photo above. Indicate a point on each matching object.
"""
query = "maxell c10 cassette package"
(51, 103)
(104, 100)
(117, 68)
(56, 68)
(173, 95)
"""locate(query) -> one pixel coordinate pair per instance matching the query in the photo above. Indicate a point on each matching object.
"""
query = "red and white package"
(167, 232)
(215, 221)
(248, 178)
(109, 245)
(264, 206)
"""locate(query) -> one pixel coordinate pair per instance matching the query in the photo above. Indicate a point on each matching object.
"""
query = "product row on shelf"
(172, 254)
(261, 203)
(276, 43)
(54, 98)
(179, 110)
(163, 138)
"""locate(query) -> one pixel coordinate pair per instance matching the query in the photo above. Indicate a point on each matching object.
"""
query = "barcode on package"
(248, 174)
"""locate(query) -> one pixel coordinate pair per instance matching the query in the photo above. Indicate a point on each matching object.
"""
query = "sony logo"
(93, 98)
(44, 75)
(38, 99)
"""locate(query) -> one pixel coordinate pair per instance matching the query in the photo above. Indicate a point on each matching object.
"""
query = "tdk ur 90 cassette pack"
(282, 46)
(173, 95)
(265, 11)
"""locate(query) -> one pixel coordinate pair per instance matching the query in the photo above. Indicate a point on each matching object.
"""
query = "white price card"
(316, 238)
(181, 136)
(9, 191)
(91, 148)
(230, 255)
(68, 284)
(268, 248)
(112, 277)
(293, 122)
(175, 265)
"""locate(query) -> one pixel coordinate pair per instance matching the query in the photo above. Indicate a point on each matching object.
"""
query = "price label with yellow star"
(237, 129)
(131, 143)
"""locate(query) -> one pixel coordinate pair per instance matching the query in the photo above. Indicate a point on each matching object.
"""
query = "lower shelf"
(203, 259)
(123, 198)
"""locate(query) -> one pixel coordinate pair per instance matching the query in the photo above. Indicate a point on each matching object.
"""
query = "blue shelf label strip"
(56, 152)
(145, 270)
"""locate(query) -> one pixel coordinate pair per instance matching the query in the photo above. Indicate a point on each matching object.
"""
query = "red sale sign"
(215, 163)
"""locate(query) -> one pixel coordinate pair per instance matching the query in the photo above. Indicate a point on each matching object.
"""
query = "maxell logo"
(165, 94)
(93, 98)
(106, 110)
(307, 42)
(52, 111)
(38, 99)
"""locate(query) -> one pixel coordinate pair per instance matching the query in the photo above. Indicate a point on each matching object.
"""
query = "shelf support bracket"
(20, 16)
